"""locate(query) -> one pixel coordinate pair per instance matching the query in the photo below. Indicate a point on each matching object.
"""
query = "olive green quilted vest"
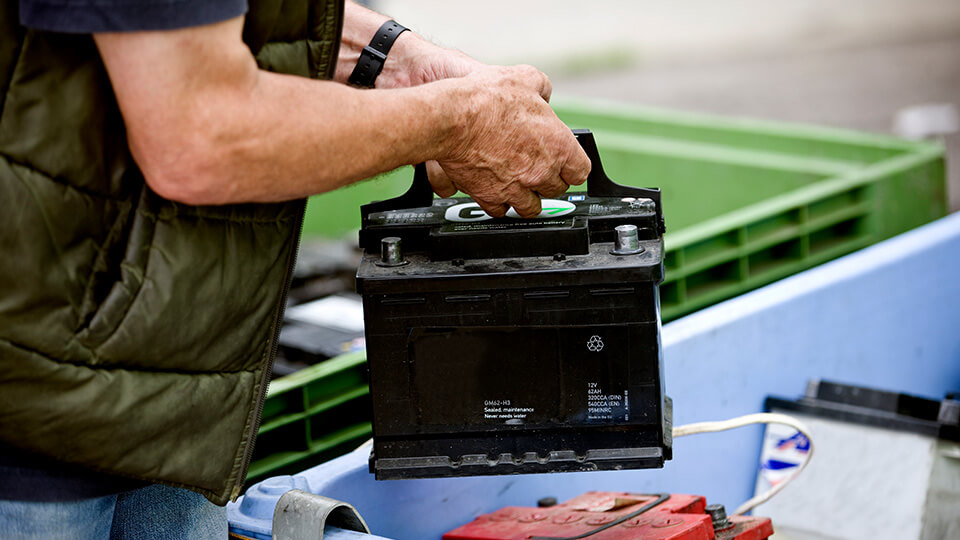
(136, 334)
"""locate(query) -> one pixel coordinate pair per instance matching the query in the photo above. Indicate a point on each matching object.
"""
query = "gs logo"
(467, 212)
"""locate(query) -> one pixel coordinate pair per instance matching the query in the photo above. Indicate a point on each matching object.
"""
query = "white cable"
(758, 418)
(740, 421)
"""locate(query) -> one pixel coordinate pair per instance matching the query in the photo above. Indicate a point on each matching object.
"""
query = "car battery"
(509, 345)
(616, 516)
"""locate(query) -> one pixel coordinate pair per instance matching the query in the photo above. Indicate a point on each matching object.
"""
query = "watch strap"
(374, 55)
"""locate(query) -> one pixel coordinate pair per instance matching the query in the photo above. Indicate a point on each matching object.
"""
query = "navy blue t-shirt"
(89, 16)
(27, 477)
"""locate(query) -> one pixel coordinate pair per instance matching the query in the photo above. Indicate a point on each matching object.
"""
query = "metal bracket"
(302, 516)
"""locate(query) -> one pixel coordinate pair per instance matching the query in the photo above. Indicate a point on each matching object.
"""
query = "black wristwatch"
(374, 55)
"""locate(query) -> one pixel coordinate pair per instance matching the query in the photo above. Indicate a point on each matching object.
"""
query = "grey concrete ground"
(861, 88)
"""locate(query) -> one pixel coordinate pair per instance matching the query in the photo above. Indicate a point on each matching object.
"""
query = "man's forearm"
(291, 137)
(253, 136)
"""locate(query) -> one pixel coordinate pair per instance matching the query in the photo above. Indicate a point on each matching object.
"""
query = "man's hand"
(419, 62)
(514, 149)
(427, 62)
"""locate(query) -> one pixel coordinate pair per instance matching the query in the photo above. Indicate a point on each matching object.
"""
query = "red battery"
(609, 515)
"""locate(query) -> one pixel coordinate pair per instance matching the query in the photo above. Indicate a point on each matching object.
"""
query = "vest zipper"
(274, 345)
(268, 369)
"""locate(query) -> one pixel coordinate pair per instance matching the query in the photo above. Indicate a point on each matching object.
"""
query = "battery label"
(605, 407)
(462, 211)
(503, 410)
(784, 449)
(500, 226)
(522, 375)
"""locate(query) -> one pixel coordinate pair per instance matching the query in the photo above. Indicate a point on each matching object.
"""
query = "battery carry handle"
(600, 185)
(420, 193)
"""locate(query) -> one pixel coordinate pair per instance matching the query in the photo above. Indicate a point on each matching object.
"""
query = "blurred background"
(874, 65)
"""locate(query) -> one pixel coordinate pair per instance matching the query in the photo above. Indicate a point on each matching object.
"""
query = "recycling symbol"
(594, 344)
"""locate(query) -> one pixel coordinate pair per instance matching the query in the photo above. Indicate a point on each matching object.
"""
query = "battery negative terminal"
(627, 241)
(391, 252)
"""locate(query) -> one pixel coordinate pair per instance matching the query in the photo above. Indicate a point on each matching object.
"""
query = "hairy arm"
(206, 126)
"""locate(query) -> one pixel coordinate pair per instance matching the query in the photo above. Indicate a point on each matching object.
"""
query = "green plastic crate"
(311, 416)
(746, 202)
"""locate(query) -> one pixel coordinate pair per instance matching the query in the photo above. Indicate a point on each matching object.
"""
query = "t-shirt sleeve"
(90, 16)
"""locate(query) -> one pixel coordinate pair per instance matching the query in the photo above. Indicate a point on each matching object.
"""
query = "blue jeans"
(147, 513)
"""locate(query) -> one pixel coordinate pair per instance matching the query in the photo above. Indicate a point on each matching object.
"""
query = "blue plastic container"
(885, 317)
